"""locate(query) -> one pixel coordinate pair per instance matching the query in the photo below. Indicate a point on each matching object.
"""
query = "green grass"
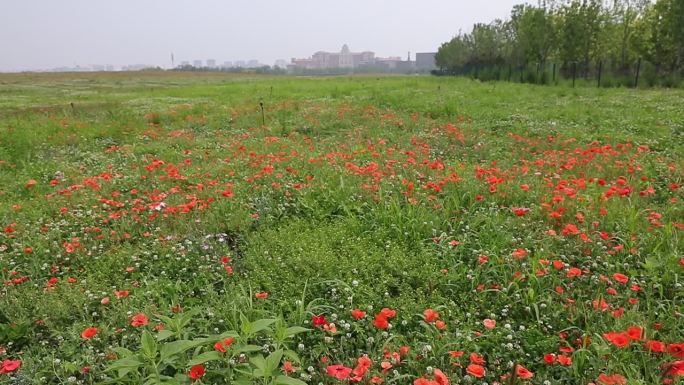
(347, 197)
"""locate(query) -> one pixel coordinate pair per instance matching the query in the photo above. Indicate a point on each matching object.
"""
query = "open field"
(384, 230)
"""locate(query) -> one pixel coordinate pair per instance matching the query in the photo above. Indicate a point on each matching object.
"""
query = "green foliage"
(587, 35)
(163, 359)
(359, 193)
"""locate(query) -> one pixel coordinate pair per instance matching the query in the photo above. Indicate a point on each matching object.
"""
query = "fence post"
(554, 73)
(510, 71)
(636, 80)
(263, 116)
(599, 73)
(574, 73)
(521, 74)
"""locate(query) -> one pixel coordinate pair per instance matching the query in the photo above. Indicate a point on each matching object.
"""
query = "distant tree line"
(265, 69)
(612, 42)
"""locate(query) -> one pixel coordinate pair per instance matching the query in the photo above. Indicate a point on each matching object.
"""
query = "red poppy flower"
(523, 373)
(477, 359)
(635, 333)
(564, 360)
(520, 211)
(9, 366)
(519, 253)
(261, 295)
(423, 381)
(218, 346)
(364, 362)
(613, 379)
(655, 346)
(476, 370)
(318, 320)
(288, 367)
(676, 350)
(357, 314)
(430, 315)
(196, 372)
(89, 333)
(340, 372)
(620, 340)
(676, 369)
(441, 378)
(388, 313)
(489, 323)
(121, 293)
(139, 319)
(381, 322)
(550, 358)
(623, 279)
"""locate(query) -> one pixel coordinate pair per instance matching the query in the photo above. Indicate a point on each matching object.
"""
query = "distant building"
(185, 63)
(425, 61)
(197, 63)
(280, 63)
(253, 64)
(227, 64)
(328, 60)
(211, 63)
(240, 64)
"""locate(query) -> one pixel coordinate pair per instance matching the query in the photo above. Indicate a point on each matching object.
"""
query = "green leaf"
(164, 334)
(186, 317)
(123, 372)
(130, 363)
(273, 360)
(122, 352)
(285, 380)
(248, 349)
(259, 362)
(70, 367)
(262, 324)
(245, 325)
(293, 330)
(171, 349)
(229, 333)
(206, 357)
(149, 345)
(292, 356)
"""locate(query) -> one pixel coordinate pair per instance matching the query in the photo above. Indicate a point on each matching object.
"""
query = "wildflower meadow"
(176, 228)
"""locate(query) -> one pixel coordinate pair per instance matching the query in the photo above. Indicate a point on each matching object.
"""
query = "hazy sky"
(36, 34)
